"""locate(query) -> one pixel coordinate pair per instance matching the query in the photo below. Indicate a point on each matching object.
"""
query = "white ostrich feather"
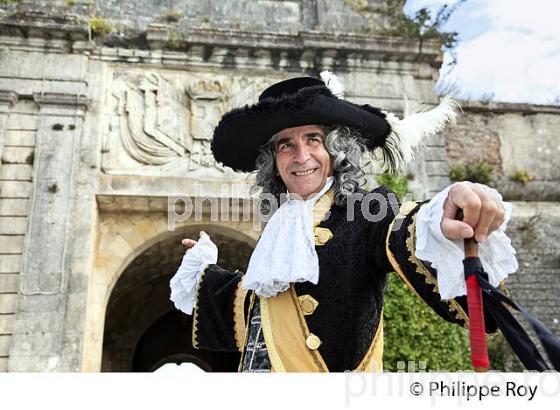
(408, 133)
(333, 83)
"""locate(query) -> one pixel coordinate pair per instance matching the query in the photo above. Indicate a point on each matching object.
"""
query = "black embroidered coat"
(354, 264)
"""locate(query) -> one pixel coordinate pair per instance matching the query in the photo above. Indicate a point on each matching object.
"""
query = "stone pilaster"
(7, 100)
(37, 340)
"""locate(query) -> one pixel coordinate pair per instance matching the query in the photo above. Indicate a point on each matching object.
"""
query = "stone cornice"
(504, 107)
(159, 37)
(72, 100)
(8, 98)
(389, 48)
(47, 25)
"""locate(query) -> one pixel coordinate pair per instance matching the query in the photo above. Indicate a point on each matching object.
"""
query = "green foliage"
(9, 1)
(414, 332)
(99, 27)
(360, 6)
(521, 176)
(172, 16)
(421, 26)
(474, 172)
(176, 40)
(501, 356)
(396, 183)
(70, 3)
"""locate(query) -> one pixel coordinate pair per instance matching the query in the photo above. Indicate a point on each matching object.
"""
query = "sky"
(508, 50)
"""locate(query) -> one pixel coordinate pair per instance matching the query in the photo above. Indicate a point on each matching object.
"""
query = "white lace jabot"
(286, 251)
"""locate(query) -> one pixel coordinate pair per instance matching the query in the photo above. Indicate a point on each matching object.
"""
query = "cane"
(479, 350)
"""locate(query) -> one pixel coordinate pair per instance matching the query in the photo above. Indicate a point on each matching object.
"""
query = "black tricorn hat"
(299, 101)
(291, 103)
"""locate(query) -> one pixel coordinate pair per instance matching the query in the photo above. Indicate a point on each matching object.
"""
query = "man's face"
(302, 159)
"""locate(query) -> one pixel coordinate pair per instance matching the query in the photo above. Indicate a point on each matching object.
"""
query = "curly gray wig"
(346, 150)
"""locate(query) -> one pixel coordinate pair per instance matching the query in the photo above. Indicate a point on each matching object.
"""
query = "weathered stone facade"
(511, 138)
(521, 138)
(96, 134)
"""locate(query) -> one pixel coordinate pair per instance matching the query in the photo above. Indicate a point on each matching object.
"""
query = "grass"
(475, 172)
(521, 176)
(172, 16)
(99, 27)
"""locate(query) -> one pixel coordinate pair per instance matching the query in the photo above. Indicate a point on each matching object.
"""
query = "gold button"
(313, 342)
(322, 235)
(307, 306)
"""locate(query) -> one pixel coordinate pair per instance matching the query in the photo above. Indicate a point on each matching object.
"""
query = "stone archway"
(142, 328)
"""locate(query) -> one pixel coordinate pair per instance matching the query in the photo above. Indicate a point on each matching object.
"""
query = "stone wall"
(521, 137)
(17, 145)
(510, 138)
(274, 16)
(534, 234)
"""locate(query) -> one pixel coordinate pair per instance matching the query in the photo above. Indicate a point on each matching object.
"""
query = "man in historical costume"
(312, 296)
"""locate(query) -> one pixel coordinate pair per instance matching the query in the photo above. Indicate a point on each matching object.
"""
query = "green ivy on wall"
(415, 333)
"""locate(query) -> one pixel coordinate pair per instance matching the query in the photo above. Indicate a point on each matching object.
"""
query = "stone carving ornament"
(162, 126)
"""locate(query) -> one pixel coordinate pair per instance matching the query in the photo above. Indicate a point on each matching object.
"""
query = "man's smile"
(304, 173)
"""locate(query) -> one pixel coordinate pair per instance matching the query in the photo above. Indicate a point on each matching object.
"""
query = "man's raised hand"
(482, 213)
(189, 243)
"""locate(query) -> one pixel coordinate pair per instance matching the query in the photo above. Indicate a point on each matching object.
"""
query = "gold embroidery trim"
(503, 288)
(392, 260)
(239, 320)
(322, 206)
(505, 291)
(195, 312)
(453, 305)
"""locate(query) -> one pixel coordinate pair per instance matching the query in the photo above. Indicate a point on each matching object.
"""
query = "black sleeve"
(220, 302)
(383, 207)
(419, 275)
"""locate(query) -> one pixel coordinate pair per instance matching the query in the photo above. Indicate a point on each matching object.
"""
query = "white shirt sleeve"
(184, 283)
(446, 255)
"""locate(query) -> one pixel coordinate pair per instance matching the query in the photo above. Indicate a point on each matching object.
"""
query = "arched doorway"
(143, 330)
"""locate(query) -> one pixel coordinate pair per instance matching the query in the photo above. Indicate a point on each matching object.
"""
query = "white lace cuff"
(183, 284)
(446, 255)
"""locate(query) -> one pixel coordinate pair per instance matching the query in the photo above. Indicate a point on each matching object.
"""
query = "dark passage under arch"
(143, 329)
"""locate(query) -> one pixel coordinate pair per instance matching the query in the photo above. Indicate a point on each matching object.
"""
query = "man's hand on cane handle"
(482, 214)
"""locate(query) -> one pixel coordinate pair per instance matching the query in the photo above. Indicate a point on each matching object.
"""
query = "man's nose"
(301, 154)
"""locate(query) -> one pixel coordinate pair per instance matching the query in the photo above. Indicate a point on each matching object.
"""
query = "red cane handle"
(479, 351)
